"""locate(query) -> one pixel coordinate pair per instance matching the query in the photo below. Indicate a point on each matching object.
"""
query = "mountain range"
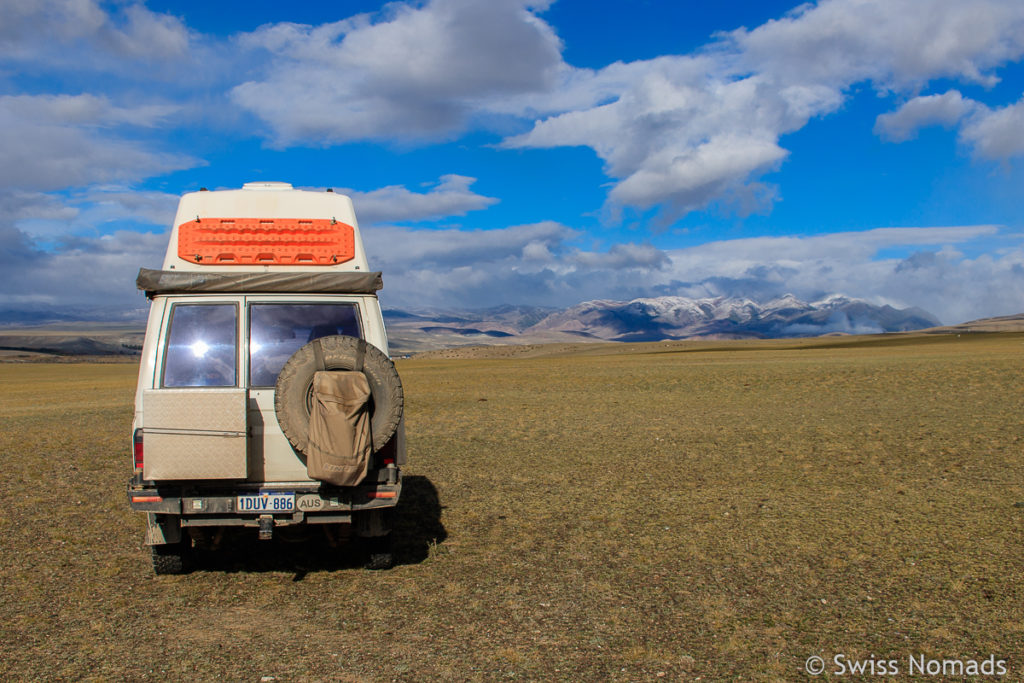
(648, 319)
(652, 319)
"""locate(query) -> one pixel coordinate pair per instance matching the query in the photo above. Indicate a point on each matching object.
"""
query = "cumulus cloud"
(398, 248)
(17, 204)
(685, 132)
(110, 203)
(149, 35)
(127, 38)
(537, 264)
(58, 253)
(644, 256)
(946, 109)
(69, 253)
(450, 197)
(414, 72)
(996, 133)
(896, 44)
(680, 132)
(935, 275)
(83, 276)
(57, 149)
(542, 265)
(50, 142)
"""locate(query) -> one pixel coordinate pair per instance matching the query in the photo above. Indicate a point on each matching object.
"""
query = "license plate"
(266, 502)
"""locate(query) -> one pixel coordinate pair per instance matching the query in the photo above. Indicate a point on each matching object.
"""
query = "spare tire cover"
(294, 386)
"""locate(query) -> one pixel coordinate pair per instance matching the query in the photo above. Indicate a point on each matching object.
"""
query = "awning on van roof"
(181, 282)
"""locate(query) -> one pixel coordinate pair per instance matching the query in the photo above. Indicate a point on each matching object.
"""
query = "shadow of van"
(417, 529)
(417, 521)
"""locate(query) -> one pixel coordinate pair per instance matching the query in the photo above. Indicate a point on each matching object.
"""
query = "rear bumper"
(217, 506)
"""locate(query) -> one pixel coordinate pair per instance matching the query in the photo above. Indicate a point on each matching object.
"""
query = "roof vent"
(267, 186)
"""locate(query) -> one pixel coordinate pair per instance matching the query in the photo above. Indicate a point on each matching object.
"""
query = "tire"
(378, 553)
(172, 558)
(292, 396)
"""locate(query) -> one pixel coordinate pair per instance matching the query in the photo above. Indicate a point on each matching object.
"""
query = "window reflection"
(276, 331)
(201, 346)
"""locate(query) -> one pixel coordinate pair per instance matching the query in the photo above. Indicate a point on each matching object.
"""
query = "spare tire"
(293, 396)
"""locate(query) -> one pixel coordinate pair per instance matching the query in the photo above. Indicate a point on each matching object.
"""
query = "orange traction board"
(266, 241)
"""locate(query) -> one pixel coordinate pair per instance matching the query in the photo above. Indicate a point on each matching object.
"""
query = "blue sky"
(545, 153)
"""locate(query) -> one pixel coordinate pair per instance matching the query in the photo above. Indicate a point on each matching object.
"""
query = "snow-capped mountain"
(674, 317)
(669, 317)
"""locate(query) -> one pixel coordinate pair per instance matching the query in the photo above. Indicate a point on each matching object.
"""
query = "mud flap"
(373, 523)
(162, 529)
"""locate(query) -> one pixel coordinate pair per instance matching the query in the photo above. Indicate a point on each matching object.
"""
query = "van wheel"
(171, 558)
(293, 391)
(378, 553)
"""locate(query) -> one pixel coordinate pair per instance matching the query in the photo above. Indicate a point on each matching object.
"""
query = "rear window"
(201, 346)
(276, 331)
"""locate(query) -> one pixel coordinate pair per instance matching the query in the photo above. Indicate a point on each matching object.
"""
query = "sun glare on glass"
(199, 349)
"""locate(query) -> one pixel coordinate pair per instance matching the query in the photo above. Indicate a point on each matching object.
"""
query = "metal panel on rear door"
(192, 434)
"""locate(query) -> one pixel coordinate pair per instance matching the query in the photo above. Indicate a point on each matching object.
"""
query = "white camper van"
(266, 397)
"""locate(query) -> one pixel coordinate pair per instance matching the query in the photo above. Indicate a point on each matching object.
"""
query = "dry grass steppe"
(680, 511)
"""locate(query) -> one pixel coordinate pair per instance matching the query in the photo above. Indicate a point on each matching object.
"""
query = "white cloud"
(683, 133)
(52, 218)
(645, 256)
(528, 264)
(81, 35)
(90, 276)
(148, 35)
(415, 72)
(26, 23)
(57, 252)
(82, 110)
(689, 131)
(946, 109)
(106, 204)
(742, 254)
(106, 54)
(935, 276)
(450, 197)
(897, 44)
(680, 131)
(996, 133)
(50, 142)
(398, 249)
(539, 264)
(17, 204)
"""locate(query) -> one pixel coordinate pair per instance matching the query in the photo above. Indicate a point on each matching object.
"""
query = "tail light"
(137, 449)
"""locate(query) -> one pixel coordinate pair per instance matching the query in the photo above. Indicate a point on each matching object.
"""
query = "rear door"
(195, 417)
(276, 327)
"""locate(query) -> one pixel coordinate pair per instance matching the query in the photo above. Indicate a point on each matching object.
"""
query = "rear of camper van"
(266, 398)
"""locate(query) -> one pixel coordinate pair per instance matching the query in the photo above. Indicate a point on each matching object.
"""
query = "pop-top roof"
(265, 227)
(155, 282)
